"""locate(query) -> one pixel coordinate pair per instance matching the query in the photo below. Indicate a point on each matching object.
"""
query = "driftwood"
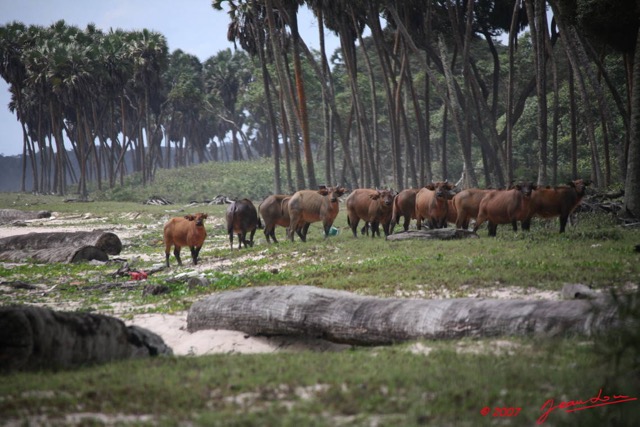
(436, 234)
(60, 247)
(33, 338)
(10, 215)
(344, 317)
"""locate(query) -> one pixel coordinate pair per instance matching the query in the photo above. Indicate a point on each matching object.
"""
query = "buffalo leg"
(354, 227)
(253, 232)
(194, 254)
(176, 253)
(493, 228)
(563, 223)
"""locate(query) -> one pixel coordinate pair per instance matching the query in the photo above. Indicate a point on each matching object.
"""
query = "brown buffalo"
(505, 206)
(431, 204)
(242, 218)
(404, 205)
(184, 231)
(274, 210)
(559, 201)
(452, 213)
(372, 206)
(467, 204)
(308, 206)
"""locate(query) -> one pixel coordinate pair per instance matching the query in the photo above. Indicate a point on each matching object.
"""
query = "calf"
(431, 204)
(504, 207)
(184, 231)
(308, 206)
(404, 205)
(559, 201)
(467, 204)
(242, 217)
(372, 206)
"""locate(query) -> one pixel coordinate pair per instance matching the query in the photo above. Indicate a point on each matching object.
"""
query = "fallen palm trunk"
(60, 247)
(33, 338)
(344, 317)
(9, 215)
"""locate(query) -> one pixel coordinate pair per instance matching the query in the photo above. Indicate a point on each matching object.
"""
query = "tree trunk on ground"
(10, 215)
(344, 317)
(60, 246)
(35, 338)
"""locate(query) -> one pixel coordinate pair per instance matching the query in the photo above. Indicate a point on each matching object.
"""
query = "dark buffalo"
(242, 218)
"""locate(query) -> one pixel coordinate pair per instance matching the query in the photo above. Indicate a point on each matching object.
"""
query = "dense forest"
(492, 91)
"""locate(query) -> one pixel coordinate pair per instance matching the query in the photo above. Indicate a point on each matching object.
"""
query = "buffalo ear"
(323, 191)
(205, 216)
(189, 217)
(374, 196)
(430, 187)
(322, 187)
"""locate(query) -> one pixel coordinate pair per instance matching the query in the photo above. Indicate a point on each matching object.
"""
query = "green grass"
(389, 385)
(361, 386)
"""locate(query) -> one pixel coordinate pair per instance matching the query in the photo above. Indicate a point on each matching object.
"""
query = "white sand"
(173, 330)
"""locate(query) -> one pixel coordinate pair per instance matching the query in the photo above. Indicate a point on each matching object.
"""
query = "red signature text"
(579, 405)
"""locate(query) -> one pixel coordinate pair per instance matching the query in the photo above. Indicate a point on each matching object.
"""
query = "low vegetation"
(427, 383)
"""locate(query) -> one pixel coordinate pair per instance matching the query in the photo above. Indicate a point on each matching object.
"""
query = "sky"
(191, 25)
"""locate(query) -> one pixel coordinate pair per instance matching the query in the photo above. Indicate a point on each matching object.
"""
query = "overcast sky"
(191, 25)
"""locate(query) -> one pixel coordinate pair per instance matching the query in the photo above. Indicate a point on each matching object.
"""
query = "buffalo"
(404, 205)
(184, 231)
(308, 206)
(372, 206)
(559, 201)
(242, 218)
(505, 206)
(274, 210)
(431, 204)
(467, 205)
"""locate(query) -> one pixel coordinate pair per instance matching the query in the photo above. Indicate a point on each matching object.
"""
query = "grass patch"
(387, 386)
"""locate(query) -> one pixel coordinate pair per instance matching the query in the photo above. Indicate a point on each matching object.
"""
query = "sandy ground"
(173, 328)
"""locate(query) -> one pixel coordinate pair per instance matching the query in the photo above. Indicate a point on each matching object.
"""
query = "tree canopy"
(493, 90)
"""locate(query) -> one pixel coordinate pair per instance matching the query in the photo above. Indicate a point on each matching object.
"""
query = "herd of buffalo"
(434, 205)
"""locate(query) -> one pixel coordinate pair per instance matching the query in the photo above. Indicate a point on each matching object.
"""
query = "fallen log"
(60, 246)
(437, 234)
(10, 215)
(344, 317)
(33, 338)
(107, 241)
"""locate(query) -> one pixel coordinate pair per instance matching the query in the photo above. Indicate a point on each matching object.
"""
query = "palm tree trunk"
(632, 183)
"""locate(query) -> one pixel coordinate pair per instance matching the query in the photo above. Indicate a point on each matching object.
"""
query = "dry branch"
(344, 317)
